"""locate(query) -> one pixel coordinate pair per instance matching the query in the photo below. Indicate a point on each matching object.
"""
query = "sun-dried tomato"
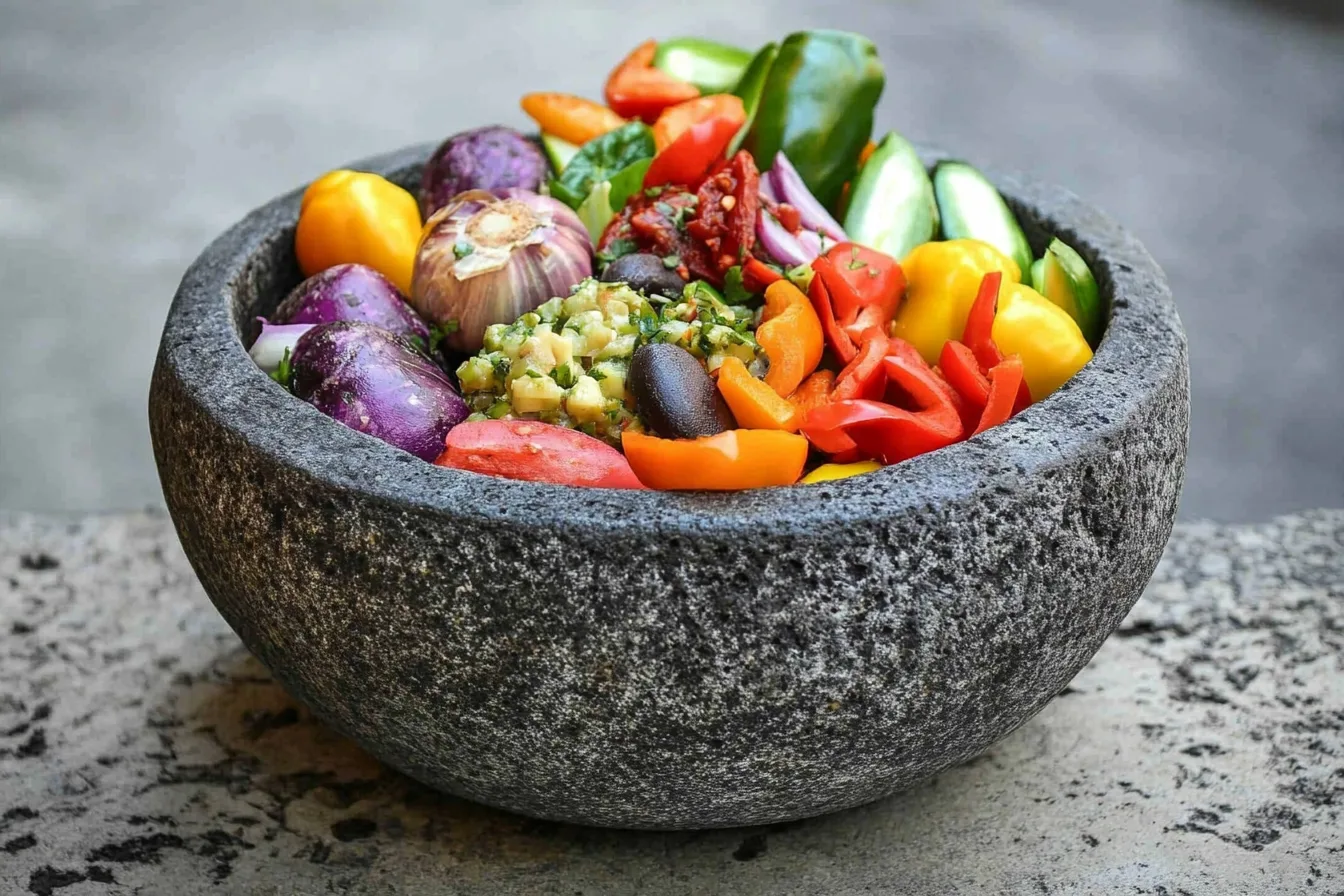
(699, 233)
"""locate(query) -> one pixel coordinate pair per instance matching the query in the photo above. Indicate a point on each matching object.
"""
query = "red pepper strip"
(635, 89)
(757, 275)
(979, 333)
(967, 412)
(1004, 380)
(862, 377)
(694, 152)
(963, 372)
(839, 341)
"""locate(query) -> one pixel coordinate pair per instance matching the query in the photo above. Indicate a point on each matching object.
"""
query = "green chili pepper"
(711, 66)
(750, 88)
(817, 107)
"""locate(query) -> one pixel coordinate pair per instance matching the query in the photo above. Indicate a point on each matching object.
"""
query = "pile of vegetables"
(713, 280)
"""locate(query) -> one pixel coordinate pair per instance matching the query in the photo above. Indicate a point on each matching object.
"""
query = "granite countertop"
(142, 750)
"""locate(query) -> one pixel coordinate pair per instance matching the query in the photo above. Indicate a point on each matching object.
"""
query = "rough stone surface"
(659, 660)
(143, 750)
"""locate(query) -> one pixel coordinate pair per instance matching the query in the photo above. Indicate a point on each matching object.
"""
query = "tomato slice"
(687, 159)
(536, 452)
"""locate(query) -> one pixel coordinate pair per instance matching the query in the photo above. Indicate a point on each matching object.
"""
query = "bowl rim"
(1142, 348)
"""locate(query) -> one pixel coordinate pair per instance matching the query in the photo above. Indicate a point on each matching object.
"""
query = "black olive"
(674, 396)
(645, 273)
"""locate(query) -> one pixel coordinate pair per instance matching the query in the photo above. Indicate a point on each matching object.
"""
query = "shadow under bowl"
(664, 660)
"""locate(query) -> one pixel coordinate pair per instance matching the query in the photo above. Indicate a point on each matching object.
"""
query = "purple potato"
(492, 158)
(378, 383)
(352, 292)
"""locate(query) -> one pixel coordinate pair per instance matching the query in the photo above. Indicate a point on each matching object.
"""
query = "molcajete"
(671, 660)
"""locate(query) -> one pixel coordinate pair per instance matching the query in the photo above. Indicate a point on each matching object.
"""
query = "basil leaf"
(601, 159)
(627, 182)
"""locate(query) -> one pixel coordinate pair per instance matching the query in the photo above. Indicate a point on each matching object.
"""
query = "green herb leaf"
(462, 250)
(734, 292)
(601, 159)
(671, 261)
(284, 372)
(626, 183)
(616, 249)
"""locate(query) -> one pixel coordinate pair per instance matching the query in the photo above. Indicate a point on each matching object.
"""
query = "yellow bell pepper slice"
(941, 280)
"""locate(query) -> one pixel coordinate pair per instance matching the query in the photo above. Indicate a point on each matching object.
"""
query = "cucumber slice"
(558, 151)
(709, 65)
(891, 203)
(972, 208)
(1068, 282)
(1038, 275)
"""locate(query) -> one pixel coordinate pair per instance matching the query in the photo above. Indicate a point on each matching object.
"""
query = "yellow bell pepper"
(1042, 334)
(355, 217)
(941, 280)
(832, 472)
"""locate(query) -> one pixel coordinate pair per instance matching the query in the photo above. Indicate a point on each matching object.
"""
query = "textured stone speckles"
(671, 661)
(1201, 751)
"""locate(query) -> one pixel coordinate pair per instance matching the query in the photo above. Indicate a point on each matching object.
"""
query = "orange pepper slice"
(730, 461)
(791, 335)
(635, 89)
(676, 120)
(754, 404)
(570, 117)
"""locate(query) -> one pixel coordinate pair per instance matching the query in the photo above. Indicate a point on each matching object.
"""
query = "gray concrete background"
(132, 132)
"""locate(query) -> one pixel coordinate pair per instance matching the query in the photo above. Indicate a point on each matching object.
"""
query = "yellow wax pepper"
(355, 217)
(942, 279)
(832, 472)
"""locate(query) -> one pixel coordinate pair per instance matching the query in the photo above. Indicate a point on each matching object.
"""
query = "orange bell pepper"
(675, 120)
(814, 392)
(635, 89)
(754, 404)
(790, 333)
(350, 217)
(732, 460)
(569, 117)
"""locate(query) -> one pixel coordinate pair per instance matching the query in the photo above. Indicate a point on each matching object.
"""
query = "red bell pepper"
(691, 155)
(1005, 378)
(635, 89)
(862, 377)
(860, 290)
(962, 370)
(884, 431)
(979, 333)
(757, 275)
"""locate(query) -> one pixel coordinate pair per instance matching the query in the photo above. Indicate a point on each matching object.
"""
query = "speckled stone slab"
(142, 750)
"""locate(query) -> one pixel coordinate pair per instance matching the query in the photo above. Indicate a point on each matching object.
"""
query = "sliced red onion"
(783, 247)
(275, 340)
(811, 241)
(787, 184)
(767, 189)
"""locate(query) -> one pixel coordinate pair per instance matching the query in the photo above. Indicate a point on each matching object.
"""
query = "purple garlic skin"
(377, 383)
(352, 292)
(491, 158)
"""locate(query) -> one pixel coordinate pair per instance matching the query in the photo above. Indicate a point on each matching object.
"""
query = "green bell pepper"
(711, 66)
(817, 107)
(750, 88)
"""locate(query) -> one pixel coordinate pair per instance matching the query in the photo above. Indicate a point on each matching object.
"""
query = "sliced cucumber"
(1068, 282)
(972, 208)
(709, 65)
(558, 151)
(891, 203)
(1038, 275)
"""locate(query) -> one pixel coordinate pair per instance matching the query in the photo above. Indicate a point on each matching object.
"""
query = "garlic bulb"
(488, 259)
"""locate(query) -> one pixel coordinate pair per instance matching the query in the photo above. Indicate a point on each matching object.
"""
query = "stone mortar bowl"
(662, 660)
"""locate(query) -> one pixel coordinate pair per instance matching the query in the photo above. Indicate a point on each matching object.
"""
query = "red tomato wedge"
(536, 452)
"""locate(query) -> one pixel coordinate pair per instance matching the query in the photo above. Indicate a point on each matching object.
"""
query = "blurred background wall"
(133, 132)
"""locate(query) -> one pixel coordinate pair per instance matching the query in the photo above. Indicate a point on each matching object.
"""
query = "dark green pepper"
(709, 65)
(817, 107)
(750, 89)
